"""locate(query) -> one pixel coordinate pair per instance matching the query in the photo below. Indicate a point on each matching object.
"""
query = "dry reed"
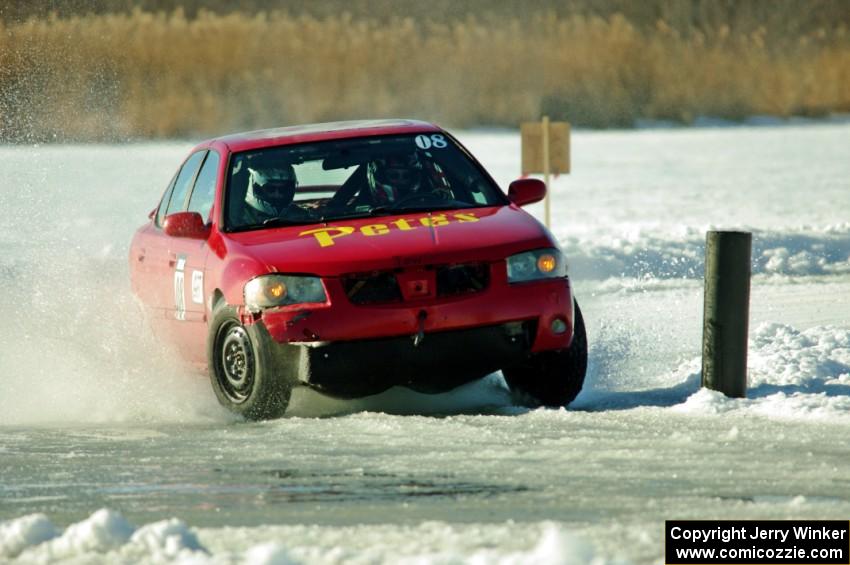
(120, 76)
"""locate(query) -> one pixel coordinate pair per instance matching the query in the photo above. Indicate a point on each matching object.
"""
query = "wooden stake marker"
(546, 151)
(727, 312)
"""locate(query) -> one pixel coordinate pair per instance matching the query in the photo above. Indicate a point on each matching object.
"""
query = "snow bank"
(554, 548)
(106, 537)
(646, 252)
(792, 374)
(270, 553)
(103, 531)
(547, 543)
(17, 535)
(813, 360)
(168, 538)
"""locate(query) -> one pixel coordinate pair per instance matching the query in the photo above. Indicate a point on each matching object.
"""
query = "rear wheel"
(552, 378)
(242, 371)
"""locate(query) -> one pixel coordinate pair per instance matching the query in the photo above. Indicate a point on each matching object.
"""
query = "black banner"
(762, 542)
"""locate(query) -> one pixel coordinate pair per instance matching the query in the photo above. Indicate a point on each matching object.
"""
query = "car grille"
(467, 278)
(372, 288)
(382, 287)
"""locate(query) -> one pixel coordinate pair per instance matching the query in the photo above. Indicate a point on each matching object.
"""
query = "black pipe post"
(727, 312)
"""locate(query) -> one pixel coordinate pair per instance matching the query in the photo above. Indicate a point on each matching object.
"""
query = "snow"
(102, 531)
(103, 538)
(111, 452)
(18, 535)
(793, 374)
(170, 538)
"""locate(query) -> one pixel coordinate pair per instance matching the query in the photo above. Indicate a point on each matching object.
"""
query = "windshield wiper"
(344, 216)
(382, 210)
(279, 222)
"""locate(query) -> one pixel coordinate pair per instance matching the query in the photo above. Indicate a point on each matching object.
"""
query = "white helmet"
(271, 187)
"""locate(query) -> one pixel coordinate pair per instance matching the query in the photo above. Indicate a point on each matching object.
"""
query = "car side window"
(184, 181)
(203, 194)
(163, 204)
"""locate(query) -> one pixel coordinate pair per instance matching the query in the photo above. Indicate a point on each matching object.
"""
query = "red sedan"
(352, 257)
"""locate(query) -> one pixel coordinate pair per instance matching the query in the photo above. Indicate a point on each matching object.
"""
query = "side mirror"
(526, 191)
(185, 224)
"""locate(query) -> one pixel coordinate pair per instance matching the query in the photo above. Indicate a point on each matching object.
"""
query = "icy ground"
(109, 452)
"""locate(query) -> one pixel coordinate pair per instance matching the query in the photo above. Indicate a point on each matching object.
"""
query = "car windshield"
(329, 180)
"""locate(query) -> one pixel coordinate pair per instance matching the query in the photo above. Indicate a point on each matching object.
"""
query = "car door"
(167, 257)
(186, 260)
(187, 257)
(201, 201)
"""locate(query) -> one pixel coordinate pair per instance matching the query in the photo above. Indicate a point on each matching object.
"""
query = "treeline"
(109, 70)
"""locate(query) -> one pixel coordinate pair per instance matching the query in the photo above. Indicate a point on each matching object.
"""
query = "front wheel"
(242, 371)
(552, 378)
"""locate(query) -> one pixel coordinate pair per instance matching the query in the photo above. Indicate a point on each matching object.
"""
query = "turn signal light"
(546, 263)
(538, 264)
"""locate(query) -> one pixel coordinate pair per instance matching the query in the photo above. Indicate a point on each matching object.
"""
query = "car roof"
(320, 132)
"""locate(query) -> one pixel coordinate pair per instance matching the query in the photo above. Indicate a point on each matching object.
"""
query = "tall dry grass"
(118, 76)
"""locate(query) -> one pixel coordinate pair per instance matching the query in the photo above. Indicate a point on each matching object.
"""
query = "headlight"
(268, 291)
(535, 265)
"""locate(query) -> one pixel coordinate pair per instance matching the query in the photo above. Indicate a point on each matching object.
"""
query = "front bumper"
(350, 351)
(339, 320)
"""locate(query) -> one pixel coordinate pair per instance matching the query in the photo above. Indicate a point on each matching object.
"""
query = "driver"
(271, 190)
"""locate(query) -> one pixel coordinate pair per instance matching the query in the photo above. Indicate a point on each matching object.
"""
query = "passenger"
(403, 177)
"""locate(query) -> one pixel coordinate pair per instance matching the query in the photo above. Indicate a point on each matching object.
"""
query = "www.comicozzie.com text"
(726, 534)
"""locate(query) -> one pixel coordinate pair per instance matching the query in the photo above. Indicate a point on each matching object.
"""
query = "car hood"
(389, 242)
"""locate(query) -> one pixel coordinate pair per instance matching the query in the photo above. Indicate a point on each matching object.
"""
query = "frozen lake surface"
(109, 451)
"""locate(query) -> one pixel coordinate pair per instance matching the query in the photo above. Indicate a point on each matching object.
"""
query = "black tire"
(242, 370)
(552, 378)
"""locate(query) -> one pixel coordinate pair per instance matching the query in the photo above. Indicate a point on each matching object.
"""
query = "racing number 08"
(437, 141)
